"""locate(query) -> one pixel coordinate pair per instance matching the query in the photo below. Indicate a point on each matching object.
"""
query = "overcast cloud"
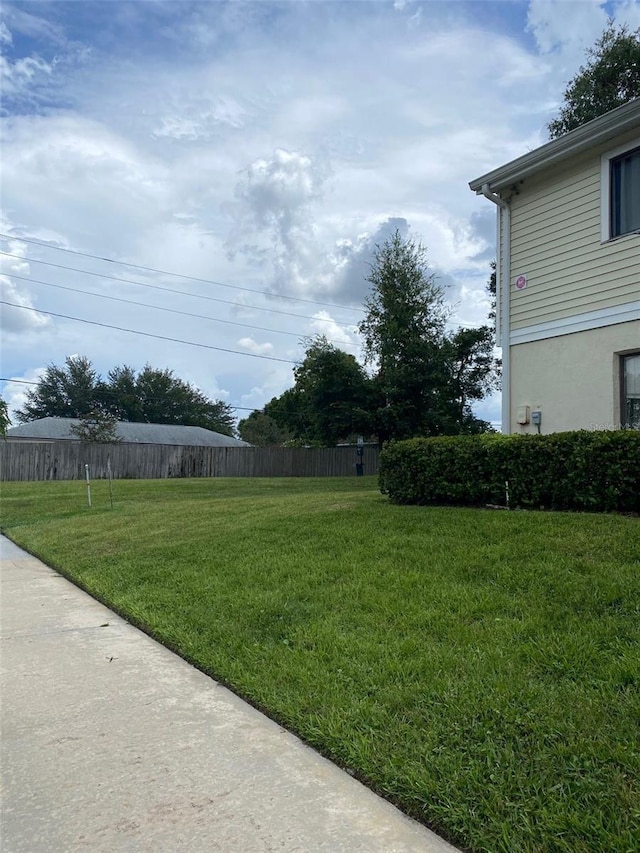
(263, 149)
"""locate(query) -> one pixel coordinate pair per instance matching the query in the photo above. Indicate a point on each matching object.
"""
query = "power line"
(147, 334)
(178, 274)
(156, 287)
(452, 324)
(167, 310)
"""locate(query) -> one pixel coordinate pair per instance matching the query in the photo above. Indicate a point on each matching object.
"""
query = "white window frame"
(605, 189)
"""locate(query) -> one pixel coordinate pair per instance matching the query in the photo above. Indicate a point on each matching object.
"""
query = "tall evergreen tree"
(426, 378)
(404, 333)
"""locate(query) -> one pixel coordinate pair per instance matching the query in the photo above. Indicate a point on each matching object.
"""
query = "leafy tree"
(426, 379)
(120, 394)
(492, 288)
(404, 334)
(290, 413)
(330, 400)
(96, 426)
(5, 420)
(335, 391)
(166, 399)
(63, 392)
(151, 396)
(610, 78)
(473, 373)
(262, 430)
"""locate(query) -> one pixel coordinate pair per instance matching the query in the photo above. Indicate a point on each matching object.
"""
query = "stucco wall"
(574, 379)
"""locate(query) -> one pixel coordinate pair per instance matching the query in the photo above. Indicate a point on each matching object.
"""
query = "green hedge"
(596, 471)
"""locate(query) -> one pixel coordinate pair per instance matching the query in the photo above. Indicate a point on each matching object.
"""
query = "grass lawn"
(479, 668)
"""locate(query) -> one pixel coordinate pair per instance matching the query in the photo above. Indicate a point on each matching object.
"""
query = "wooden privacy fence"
(65, 460)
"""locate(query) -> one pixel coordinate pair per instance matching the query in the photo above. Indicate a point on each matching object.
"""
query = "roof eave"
(598, 131)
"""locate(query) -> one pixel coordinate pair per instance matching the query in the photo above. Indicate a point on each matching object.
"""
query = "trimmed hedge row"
(594, 471)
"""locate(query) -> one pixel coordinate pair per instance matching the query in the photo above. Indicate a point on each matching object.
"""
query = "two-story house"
(568, 273)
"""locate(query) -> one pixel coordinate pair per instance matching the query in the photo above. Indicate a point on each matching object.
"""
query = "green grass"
(481, 669)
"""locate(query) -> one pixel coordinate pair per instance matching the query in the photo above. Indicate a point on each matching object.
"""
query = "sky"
(201, 186)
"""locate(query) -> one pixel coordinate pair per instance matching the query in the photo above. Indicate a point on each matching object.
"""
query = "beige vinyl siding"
(556, 243)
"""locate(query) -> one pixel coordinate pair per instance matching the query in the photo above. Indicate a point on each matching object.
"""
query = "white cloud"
(275, 216)
(33, 26)
(16, 77)
(254, 347)
(17, 265)
(15, 390)
(629, 12)
(566, 27)
(5, 34)
(16, 320)
(343, 336)
(197, 119)
(276, 191)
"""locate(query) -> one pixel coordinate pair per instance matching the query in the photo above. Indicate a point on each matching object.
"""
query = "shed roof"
(137, 433)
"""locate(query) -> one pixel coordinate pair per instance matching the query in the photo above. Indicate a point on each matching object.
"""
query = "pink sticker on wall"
(521, 282)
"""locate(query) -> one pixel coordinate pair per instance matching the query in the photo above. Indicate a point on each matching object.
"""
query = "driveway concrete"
(110, 742)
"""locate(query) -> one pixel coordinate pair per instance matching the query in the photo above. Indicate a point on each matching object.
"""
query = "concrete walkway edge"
(110, 742)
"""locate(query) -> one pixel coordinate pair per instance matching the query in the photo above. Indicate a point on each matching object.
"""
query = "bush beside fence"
(595, 471)
(65, 460)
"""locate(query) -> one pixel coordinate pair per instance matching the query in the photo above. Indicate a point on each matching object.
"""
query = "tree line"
(151, 395)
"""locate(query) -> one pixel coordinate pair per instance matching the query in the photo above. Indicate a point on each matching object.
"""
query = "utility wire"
(147, 334)
(176, 274)
(167, 310)
(453, 324)
(155, 287)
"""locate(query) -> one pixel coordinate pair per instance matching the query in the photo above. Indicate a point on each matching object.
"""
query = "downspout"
(503, 288)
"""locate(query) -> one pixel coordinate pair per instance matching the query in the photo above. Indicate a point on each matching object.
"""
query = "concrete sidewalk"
(112, 742)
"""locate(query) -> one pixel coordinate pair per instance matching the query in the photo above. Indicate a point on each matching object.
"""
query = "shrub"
(597, 471)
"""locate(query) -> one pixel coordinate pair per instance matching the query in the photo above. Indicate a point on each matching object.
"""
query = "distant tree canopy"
(610, 78)
(75, 390)
(262, 430)
(424, 379)
(330, 400)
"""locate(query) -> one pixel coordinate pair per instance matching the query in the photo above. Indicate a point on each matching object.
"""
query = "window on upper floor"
(620, 191)
(630, 374)
(625, 193)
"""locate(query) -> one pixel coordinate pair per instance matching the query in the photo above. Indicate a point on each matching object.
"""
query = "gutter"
(503, 288)
(588, 136)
